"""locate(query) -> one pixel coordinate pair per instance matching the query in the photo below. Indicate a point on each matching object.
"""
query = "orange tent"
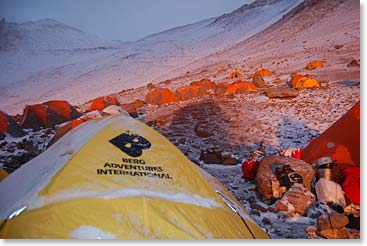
(314, 64)
(235, 75)
(189, 92)
(341, 141)
(204, 84)
(8, 125)
(159, 96)
(103, 102)
(63, 108)
(264, 72)
(47, 114)
(300, 81)
(240, 87)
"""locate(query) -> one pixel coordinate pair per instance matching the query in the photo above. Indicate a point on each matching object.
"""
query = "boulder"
(334, 233)
(338, 220)
(211, 156)
(299, 197)
(265, 173)
(281, 92)
(201, 131)
(323, 223)
(229, 160)
(258, 81)
(314, 64)
(258, 207)
(353, 63)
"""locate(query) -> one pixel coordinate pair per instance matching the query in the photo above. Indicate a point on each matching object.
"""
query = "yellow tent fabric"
(3, 174)
(116, 178)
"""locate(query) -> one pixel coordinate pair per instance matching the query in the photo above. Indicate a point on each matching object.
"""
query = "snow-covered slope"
(32, 74)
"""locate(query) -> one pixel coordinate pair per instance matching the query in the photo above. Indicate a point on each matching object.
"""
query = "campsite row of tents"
(115, 177)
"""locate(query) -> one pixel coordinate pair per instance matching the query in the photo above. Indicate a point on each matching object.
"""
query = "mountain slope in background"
(92, 69)
(310, 31)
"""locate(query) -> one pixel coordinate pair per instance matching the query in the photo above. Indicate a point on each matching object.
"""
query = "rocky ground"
(219, 132)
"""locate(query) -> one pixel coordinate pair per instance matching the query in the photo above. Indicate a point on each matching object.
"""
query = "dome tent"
(115, 177)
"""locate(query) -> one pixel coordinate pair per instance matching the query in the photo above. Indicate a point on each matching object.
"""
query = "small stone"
(338, 46)
(229, 160)
(334, 233)
(353, 63)
(252, 199)
(273, 209)
(255, 212)
(323, 223)
(338, 220)
(258, 207)
(211, 157)
(280, 206)
(266, 221)
(281, 92)
(182, 140)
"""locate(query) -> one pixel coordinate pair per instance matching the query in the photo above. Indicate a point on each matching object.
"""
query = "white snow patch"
(115, 110)
(126, 193)
(90, 232)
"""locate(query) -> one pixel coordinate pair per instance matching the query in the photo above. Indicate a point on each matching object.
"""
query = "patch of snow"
(126, 193)
(115, 110)
(90, 232)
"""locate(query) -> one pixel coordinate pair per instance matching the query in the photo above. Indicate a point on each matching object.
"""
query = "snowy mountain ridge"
(45, 34)
(46, 65)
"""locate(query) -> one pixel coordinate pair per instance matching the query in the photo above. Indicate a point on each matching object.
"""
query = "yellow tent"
(115, 177)
(3, 174)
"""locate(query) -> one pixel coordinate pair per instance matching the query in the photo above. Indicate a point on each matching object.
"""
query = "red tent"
(103, 102)
(8, 125)
(341, 141)
(47, 114)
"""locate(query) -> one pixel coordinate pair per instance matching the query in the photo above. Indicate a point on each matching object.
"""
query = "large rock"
(211, 156)
(258, 81)
(334, 233)
(265, 173)
(299, 197)
(338, 220)
(281, 92)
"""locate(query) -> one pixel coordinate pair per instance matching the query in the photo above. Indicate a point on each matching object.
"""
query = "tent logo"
(131, 144)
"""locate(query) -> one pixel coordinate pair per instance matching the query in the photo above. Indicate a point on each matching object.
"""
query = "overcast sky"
(126, 20)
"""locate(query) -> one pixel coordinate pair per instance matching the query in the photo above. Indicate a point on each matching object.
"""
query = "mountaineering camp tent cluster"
(47, 114)
(115, 177)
